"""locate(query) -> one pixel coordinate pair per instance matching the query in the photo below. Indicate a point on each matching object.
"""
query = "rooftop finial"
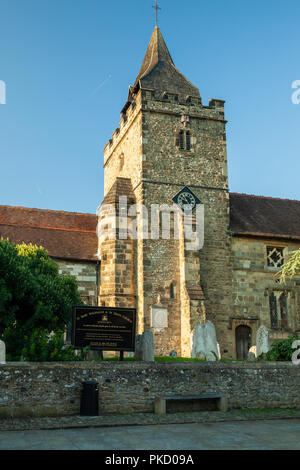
(156, 8)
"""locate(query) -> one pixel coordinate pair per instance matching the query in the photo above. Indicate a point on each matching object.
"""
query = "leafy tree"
(291, 268)
(33, 295)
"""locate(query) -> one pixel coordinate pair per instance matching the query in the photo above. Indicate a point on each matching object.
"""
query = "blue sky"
(67, 65)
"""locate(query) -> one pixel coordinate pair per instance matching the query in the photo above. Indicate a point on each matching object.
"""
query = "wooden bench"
(188, 403)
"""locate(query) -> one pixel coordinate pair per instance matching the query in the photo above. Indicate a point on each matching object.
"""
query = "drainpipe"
(97, 281)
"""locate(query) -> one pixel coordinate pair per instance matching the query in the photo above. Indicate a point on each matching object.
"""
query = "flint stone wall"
(53, 389)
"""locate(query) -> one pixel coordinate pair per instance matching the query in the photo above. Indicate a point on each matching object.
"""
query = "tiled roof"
(264, 216)
(71, 235)
(65, 235)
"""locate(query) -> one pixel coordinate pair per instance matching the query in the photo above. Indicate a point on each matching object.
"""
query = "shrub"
(282, 350)
(42, 347)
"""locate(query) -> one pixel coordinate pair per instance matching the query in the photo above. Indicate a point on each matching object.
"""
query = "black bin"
(89, 399)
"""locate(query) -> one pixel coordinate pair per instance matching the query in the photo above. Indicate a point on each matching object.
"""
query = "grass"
(157, 359)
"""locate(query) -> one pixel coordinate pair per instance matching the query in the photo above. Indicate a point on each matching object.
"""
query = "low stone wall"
(52, 389)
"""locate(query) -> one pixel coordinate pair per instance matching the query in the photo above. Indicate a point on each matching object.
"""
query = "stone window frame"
(187, 140)
(282, 323)
(282, 247)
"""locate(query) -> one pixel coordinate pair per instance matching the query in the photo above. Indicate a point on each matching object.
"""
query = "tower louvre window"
(184, 140)
(181, 140)
(188, 140)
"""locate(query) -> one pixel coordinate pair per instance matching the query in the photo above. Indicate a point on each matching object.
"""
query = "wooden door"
(243, 335)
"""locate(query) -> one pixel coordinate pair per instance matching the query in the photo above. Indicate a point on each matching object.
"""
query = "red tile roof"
(71, 235)
(262, 216)
(65, 235)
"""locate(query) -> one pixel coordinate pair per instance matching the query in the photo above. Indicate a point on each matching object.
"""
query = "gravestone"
(138, 348)
(148, 346)
(262, 341)
(251, 356)
(204, 342)
(2, 353)
(144, 347)
(253, 350)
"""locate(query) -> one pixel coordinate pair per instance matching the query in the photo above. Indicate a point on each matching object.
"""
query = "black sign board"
(104, 328)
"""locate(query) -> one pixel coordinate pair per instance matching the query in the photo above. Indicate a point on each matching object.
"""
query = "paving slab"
(277, 434)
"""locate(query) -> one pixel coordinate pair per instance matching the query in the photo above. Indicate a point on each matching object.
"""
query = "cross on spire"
(156, 8)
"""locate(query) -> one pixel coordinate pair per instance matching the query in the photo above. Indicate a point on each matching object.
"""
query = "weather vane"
(156, 8)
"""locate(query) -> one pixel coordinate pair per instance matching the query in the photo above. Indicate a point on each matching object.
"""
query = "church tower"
(167, 141)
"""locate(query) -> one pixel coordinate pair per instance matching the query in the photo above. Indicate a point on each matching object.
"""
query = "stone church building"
(169, 141)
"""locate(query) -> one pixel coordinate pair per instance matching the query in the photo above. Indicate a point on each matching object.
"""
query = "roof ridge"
(47, 210)
(45, 227)
(263, 197)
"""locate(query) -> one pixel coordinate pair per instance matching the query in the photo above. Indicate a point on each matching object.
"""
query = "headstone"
(204, 342)
(219, 351)
(251, 356)
(262, 340)
(148, 346)
(173, 353)
(2, 353)
(211, 357)
(201, 355)
(253, 350)
(144, 347)
(138, 348)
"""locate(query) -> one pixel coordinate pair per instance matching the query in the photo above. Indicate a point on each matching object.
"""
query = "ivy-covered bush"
(282, 350)
(42, 347)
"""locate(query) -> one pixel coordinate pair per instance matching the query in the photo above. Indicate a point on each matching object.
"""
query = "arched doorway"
(243, 336)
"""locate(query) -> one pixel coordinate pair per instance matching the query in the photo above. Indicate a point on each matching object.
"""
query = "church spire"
(158, 71)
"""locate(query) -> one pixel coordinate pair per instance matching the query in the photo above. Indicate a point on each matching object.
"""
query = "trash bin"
(89, 399)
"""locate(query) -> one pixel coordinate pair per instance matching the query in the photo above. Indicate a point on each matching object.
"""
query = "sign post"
(104, 328)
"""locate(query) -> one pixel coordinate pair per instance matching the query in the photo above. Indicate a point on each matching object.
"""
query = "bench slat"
(192, 397)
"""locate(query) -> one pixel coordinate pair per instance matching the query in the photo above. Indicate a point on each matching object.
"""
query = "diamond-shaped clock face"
(186, 199)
